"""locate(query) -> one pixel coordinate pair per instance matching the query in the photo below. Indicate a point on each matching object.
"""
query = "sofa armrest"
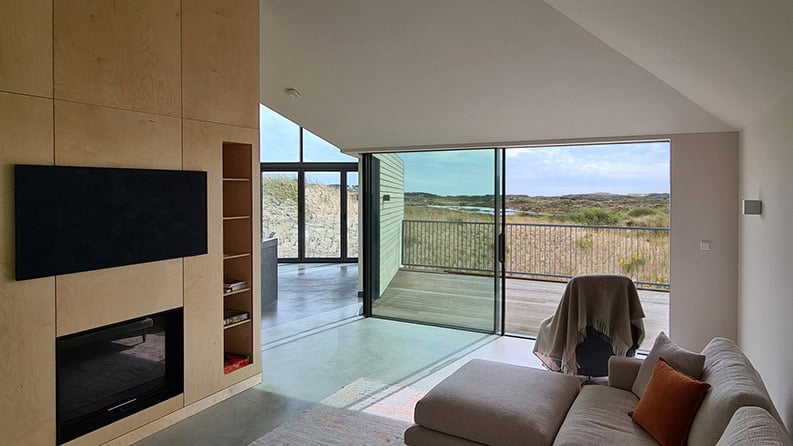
(623, 371)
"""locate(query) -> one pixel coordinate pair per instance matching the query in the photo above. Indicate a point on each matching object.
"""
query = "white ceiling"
(379, 73)
(732, 57)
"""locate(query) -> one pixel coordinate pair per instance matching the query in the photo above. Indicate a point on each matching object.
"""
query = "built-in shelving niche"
(238, 246)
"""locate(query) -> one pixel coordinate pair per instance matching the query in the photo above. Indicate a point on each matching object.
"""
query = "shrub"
(659, 220)
(594, 216)
(639, 212)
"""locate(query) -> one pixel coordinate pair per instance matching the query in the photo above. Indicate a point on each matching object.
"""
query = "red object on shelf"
(232, 362)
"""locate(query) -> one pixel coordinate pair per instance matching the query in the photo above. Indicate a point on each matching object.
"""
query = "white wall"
(704, 206)
(765, 326)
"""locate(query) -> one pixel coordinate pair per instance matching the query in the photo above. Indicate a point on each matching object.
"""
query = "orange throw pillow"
(669, 404)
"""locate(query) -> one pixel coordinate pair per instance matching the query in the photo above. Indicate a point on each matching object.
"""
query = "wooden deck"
(462, 300)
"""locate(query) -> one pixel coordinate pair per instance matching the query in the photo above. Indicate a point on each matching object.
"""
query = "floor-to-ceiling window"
(309, 193)
(310, 205)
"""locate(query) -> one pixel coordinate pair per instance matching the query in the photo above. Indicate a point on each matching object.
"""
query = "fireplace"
(111, 372)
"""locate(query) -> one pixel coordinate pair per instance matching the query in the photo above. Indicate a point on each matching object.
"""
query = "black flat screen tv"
(72, 219)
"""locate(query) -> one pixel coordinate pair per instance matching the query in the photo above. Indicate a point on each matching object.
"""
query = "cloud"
(644, 167)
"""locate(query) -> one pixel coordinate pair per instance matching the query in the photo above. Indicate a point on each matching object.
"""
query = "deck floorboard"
(464, 300)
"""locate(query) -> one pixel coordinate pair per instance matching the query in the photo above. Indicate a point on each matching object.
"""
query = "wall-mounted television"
(72, 219)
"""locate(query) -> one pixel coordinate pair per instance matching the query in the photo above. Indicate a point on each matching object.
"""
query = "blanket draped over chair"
(607, 303)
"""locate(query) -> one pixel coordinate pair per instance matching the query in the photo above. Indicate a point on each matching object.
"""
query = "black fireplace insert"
(111, 372)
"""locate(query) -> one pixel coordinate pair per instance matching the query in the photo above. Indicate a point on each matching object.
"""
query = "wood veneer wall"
(151, 83)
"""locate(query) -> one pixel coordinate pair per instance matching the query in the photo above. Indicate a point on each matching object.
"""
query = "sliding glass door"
(432, 219)
(585, 209)
(486, 239)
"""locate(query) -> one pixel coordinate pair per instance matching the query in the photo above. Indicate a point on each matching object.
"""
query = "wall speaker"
(752, 207)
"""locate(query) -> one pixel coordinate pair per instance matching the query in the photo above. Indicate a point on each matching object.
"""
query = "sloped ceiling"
(732, 57)
(376, 73)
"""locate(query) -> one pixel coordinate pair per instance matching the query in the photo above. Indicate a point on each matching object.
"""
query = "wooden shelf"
(235, 256)
(236, 179)
(237, 217)
(236, 324)
(240, 291)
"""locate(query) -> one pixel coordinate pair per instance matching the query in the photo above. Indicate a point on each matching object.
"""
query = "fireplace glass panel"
(111, 372)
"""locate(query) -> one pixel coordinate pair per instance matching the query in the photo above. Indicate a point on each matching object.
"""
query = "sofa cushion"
(735, 383)
(599, 415)
(751, 426)
(498, 404)
(683, 360)
(669, 404)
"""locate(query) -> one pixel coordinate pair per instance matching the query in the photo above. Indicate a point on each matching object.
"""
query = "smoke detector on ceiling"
(292, 93)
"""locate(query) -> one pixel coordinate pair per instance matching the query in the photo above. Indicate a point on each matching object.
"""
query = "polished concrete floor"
(310, 296)
(314, 345)
(303, 371)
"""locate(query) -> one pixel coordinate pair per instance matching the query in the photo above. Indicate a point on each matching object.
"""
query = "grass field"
(650, 210)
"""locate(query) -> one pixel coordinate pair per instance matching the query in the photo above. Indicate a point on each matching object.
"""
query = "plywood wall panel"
(27, 308)
(26, 47)
(221, 61)
(123, 54)
(95, 298)
(87, 135)
(203, 275)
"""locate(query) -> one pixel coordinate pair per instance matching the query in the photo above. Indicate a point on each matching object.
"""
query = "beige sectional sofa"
(497, 404)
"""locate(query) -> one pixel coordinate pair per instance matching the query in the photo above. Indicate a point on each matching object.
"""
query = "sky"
(280, 141)
(543, 171)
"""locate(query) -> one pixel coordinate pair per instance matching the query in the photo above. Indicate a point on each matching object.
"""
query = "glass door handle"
(501, 248)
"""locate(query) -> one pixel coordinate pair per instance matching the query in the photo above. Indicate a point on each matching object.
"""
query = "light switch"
(704, 245)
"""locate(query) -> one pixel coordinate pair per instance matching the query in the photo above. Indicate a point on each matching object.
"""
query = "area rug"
(363, 413)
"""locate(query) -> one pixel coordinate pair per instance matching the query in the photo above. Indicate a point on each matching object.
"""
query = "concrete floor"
(301, 372)
(310, 296)
(314, 344)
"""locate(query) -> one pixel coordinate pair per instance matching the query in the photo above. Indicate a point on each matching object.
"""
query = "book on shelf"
(230, 285)
(232, 362)
(233, 316)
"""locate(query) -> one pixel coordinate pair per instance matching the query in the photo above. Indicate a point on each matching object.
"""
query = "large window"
(309, 193)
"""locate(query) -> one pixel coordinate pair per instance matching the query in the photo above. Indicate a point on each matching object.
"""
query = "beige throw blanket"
(609, 304)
